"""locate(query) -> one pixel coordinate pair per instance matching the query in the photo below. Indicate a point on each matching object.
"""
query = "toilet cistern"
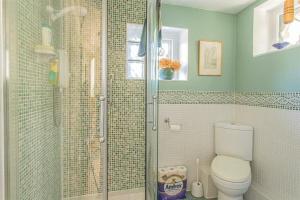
(230, 169)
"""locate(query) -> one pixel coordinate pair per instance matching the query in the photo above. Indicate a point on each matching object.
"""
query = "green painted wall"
(279, 71)
(204, 25)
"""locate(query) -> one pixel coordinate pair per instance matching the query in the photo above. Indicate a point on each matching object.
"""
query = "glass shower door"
(153, 15)
(85, 101)
(58, 129)
(56, 99)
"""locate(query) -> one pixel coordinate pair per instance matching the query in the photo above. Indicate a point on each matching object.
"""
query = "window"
(289, 32)
(269, 31)
(135, 64)
(166, 50)
(174, 46)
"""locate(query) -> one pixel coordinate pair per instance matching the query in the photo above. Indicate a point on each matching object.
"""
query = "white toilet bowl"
(232, 177)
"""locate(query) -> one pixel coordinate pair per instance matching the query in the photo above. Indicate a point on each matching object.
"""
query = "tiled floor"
(128, 195)
(134, 194)
(190, 197)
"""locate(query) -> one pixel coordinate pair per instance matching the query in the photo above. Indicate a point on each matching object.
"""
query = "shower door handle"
(154, 127)
(102, 119)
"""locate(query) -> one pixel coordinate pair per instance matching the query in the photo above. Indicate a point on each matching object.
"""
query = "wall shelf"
(44, 53)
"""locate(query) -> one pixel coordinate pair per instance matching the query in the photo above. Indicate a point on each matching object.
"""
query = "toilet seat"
(230, 185)
(231, 170)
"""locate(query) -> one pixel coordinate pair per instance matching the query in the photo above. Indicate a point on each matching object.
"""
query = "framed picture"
(210, 58)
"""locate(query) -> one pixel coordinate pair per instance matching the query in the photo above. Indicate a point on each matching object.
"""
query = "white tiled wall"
(276, 165)
(195, 139)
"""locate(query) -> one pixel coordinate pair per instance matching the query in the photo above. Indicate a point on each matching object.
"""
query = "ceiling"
(226, 6)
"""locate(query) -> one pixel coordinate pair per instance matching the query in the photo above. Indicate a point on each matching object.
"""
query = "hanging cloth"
(143, 44)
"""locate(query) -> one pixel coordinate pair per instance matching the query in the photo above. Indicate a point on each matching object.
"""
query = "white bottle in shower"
(46, 35)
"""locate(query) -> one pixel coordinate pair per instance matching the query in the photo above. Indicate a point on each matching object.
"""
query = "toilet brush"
(197, 190)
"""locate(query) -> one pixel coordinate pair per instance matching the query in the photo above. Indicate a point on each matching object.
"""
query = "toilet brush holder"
(197, 189)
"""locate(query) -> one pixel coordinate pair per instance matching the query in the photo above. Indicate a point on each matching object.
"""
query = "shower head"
(74, 10)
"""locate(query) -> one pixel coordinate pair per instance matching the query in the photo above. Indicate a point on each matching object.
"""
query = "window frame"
(142, 61)
(172, 47)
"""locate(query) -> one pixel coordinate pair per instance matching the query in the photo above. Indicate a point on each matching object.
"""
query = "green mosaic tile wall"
(126, 131)
(34, 139)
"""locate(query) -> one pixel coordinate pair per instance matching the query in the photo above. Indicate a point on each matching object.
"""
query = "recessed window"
(174, 46)
(269, 31)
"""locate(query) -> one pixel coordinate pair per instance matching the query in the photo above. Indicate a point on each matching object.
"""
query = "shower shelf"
(45, 50)
(44, 53)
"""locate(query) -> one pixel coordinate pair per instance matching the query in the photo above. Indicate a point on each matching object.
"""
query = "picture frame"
(210, 58)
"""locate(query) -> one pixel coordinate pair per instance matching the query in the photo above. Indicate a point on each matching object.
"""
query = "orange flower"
(176, 65)
(164, 63)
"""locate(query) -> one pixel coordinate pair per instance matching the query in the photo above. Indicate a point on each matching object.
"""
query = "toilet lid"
(231, 169)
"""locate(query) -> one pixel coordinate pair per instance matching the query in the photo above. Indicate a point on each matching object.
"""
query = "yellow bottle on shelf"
(53, 73)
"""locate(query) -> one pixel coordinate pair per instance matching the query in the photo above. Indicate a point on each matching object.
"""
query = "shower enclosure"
(76, 126)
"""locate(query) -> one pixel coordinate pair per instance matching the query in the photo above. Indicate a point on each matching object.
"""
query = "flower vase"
(166, 74)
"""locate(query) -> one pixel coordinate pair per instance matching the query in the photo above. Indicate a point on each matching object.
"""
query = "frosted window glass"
(135, 70)
(132, 51)
(290, 32)
(134, 32)
(135, 64)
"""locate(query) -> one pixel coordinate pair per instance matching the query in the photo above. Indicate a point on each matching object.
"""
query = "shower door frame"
(103, 96)
(3, 96)
(152, 85)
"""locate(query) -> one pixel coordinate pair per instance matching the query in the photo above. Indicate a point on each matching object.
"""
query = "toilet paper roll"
(175, 127)
(182, 171)
(162, 174)
(171, 171)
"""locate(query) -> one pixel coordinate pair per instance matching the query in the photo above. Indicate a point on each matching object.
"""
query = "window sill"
(173, 80)
(273, 51)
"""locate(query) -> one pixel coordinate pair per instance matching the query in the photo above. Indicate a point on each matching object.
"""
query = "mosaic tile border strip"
(195, 97)
(280, 100)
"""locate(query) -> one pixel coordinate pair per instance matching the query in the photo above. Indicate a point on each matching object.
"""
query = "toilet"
(230, 169)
